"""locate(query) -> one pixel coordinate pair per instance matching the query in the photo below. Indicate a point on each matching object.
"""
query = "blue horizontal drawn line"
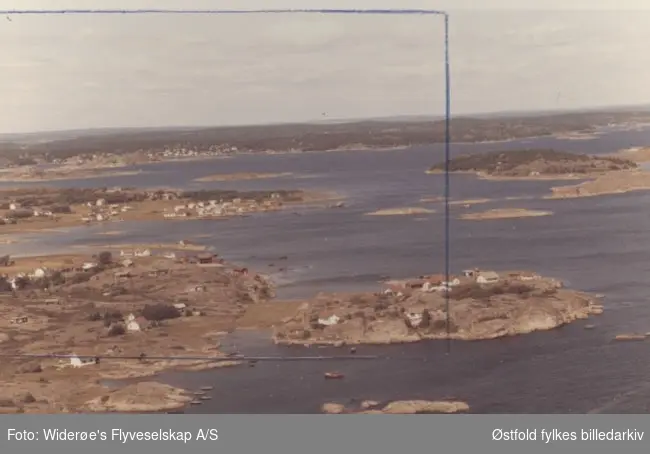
(221, 11)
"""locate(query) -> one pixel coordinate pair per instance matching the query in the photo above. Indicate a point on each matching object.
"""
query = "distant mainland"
(123, 147)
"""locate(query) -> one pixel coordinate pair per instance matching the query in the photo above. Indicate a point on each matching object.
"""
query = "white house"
(329, 321)
(180, 306)
(100, 202)
(487, 277)
(428, 287)
(39, 273)
(452, 283)
(135, 324)
(88, 266)
(14, 206)
(14, 283)
(75, 361)
(414, 318)
(145, 253)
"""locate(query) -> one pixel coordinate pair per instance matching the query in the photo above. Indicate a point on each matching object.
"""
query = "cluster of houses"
(100, 211)
(15, 206)
(214, 208)
(434, 283)
(20, 280)
(438, 282)
(16, 210)
(181, 152)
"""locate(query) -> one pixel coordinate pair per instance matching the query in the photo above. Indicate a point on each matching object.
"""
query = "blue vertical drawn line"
(447, 185)
(447, 241)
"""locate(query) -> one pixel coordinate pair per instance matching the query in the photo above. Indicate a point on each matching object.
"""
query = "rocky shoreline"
(146, 304)
(110, 317)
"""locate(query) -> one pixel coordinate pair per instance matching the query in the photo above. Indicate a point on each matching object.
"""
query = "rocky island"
(534, 164)
(504, 213)
(484, 305)
(242, 176)
(601, 174)
(407, 211)
(398, 407)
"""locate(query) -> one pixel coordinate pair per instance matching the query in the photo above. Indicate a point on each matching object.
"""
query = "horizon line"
(349, 120)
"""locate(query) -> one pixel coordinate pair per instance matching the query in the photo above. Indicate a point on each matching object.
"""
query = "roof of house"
(415, 283)
(489, 275)
(205, 255)
(395, 287)
(324, 315)
(435, 278)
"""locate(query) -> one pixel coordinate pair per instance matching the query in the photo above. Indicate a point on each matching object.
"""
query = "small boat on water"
(333, 375)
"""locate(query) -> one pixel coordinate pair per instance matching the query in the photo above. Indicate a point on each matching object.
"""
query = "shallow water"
(597, 244)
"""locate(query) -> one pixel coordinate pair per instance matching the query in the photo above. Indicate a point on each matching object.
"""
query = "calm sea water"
(599, 244)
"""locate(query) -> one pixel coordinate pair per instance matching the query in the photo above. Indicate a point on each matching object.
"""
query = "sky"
(95, 71)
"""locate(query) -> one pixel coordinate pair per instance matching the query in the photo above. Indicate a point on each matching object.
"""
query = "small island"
(504, 213)
(242, 176)
(484, 305)
(408, 211)
(534, 164)
(397, 407)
